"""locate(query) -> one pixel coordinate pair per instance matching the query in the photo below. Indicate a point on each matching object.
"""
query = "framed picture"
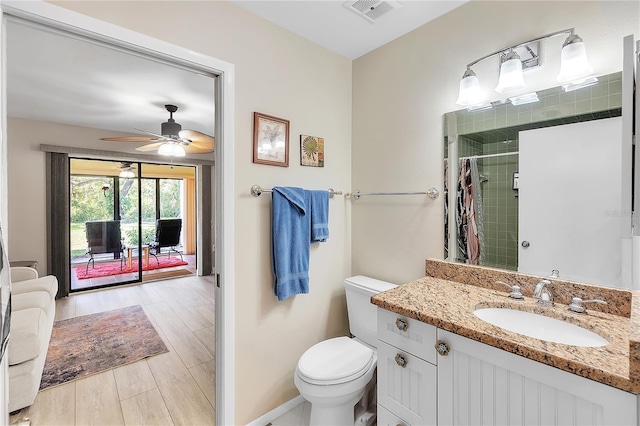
(270, 140)
(311, 151)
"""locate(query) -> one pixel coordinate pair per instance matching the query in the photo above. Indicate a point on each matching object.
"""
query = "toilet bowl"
(333, 376)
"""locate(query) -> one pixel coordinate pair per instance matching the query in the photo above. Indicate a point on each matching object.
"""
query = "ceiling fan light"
(470, 93)
(127, 174)
(511, 75)
(574, 64)
(171, 149)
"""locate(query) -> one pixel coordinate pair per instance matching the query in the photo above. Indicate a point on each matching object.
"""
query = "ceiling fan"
(127, 170)
(173, 141)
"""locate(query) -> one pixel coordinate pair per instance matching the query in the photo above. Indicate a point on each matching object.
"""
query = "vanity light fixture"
(574, 68)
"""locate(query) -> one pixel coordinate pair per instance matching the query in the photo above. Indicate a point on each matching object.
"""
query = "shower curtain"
(469, 216)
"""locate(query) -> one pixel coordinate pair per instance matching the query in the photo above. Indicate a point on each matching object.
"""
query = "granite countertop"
(449, 305)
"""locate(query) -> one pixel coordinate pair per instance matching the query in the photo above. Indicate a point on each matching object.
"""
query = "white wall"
(402, 90)
(281, 74)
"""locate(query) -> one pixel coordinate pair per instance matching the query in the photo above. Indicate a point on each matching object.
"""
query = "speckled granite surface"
(449, 305)
(618, 301)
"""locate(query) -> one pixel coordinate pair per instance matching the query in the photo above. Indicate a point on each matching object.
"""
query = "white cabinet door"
(482, 385)
(406, 385)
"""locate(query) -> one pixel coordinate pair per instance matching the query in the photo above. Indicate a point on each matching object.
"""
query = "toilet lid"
(337, 360)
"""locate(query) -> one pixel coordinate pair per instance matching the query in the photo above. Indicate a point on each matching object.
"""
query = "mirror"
(527, 190)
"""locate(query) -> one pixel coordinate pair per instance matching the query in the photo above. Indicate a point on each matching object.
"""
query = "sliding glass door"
(105, 223)
(130, 221)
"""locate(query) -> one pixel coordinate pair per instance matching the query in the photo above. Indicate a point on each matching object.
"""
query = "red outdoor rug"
(113, 268)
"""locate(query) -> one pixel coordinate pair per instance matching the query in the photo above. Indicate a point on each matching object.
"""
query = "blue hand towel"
(290, 236)
(319, 216)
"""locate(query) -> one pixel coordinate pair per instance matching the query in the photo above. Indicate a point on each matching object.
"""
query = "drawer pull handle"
(442, 347)
(401, 360)
(402, 324)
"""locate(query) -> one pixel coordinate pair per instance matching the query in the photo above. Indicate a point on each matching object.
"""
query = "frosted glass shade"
(574, 64)
(470, 93)
(510, 76)
(127, 174)
(171, 149)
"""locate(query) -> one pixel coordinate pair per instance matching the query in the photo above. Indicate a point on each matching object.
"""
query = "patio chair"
(103, 237)
(167, 236)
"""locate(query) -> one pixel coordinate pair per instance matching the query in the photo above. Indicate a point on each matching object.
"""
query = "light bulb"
(511, 74)
(470, 93)
(574, 64)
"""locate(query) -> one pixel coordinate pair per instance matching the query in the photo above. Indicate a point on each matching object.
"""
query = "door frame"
(64, 19)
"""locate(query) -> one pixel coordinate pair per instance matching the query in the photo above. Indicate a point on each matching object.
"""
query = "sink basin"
(540, 327)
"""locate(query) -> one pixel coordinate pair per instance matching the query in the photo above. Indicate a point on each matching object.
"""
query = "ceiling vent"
(371, 10)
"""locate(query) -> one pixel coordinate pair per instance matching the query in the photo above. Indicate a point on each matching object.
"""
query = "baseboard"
(277, 412)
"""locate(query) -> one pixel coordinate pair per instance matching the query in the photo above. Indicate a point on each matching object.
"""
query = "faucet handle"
(516, 292)
(555, 274)
(577, 304)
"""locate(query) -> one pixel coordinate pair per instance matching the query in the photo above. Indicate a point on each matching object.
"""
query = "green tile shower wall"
(500, 205)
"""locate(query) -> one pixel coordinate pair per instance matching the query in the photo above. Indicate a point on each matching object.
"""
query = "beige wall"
(281, 74)
(402, 90)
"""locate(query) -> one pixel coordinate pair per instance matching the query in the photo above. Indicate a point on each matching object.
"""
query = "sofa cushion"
(34, 299)
(47, 283)
(27, 328)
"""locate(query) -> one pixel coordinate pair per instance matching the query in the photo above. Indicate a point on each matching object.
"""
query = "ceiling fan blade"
(129, 139)
(195, 149)
(198, 138)
(157, 136)
(150, 147)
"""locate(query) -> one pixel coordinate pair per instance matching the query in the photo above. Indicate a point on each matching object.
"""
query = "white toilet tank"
(363, 317)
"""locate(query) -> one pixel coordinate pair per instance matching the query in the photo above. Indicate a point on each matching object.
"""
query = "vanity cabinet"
(480, 384)
(407, 372)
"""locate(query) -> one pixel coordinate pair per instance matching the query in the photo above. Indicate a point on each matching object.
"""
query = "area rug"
(113, 268)
(90, 344)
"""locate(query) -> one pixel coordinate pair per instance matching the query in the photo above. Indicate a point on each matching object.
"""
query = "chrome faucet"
(542, 292)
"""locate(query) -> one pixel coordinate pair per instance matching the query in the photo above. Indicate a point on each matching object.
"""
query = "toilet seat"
(335, 361)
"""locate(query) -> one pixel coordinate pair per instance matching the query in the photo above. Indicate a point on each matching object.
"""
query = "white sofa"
(33, 308)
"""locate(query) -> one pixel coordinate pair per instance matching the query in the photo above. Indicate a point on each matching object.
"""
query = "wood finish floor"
(175, 388)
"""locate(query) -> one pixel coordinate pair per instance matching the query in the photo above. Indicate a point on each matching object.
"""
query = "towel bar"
(257, 190)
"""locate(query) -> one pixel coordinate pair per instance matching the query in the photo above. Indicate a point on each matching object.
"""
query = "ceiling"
(53, 76)
(332, 25)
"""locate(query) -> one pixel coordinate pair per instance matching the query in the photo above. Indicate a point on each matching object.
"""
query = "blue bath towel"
(319, 216)
(290, 236)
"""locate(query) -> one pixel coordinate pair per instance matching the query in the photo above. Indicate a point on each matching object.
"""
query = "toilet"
(336, 374)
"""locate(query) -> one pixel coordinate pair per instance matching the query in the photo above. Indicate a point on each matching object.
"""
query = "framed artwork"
(270, 140)
(311, 151)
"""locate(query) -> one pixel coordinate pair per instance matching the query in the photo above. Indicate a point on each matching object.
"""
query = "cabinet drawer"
(417, 338)
(387, 418)
(406, 385)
